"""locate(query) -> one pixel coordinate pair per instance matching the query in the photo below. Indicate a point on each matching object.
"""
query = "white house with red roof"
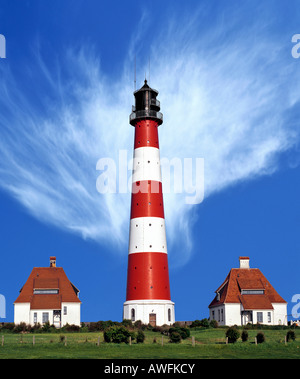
(246, 296)
(48, 296)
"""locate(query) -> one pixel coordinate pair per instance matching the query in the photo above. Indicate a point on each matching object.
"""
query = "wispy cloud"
(228, 102)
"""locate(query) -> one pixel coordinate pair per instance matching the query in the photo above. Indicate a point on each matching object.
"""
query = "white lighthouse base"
(154, 312)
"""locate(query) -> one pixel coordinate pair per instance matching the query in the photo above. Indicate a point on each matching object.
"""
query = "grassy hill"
(208, 343)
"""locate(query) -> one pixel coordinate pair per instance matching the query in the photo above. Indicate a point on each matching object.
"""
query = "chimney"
(52, 261)
(244, 262)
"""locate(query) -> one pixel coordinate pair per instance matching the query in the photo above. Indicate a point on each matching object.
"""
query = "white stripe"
(147, 234)
(146, 164)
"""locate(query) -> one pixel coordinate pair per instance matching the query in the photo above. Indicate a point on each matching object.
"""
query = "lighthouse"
(148, 296)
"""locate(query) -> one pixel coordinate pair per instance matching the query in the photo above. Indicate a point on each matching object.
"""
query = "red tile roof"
(246, 279)
(48, 278)
(255, 302)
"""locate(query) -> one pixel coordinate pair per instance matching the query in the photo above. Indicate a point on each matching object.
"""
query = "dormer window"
(252, 292)
(45, 291)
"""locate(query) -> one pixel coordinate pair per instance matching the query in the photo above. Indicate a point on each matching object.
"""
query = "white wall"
(280, 313)
(232, 314)
(73, 314)
(144, 307)
(22, 313)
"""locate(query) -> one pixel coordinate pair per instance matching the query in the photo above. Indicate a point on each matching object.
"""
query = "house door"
(152, 319)
(57, 318)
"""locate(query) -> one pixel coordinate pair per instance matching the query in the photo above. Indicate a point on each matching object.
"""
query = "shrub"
(21, 328)
(101, 325)
(290, 335)
(165, 329)
(183, 332)
(204, 323)
(244, 335)
(71, 328)
(213, 324)
(260, 337)
(36, 328)
(46, 327)
(127, 323)
(175, 337)
(118, 334)
(138, 324)
(140, 337)
(7, 326)
(232, 334)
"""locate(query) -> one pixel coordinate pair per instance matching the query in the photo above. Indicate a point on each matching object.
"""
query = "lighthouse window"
(132, 314)
(150, 245)
(148, 161)
(169, 314)
(149, 224)
(148, 141)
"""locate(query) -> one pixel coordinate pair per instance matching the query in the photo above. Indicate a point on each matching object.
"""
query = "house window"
(45, 317)
(35, 318)
(213, 314)
(269, 316)
(259, 317)
(132, 314)
(65, 311)
(45, 291)
(219, 315)
(252, 292)
(222, 315)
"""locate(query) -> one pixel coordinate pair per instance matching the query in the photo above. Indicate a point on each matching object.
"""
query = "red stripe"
(148, 277)
(146, 134)
(147, 199)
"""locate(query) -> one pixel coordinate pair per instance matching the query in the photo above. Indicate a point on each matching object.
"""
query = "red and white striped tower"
(148, 289)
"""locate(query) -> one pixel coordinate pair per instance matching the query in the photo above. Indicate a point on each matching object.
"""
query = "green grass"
(209, 343)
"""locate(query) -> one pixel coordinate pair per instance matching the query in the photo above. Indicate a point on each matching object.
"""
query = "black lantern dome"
(146, 105)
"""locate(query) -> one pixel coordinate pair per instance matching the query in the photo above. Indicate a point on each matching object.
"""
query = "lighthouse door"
(152, 319)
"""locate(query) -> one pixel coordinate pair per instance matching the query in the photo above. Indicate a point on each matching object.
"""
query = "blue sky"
(230, 93)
